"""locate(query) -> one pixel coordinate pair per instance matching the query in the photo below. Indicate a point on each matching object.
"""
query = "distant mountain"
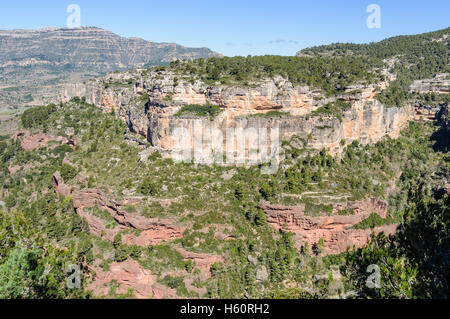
(34, 62)
(408, 58)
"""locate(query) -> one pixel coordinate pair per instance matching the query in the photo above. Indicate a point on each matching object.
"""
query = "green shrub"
(328, 73)
(155, 156)
(271, 114)
(331, 109)
(11, 201)
(200, 110)
(346, 212)
(173, 282)
(269, 190)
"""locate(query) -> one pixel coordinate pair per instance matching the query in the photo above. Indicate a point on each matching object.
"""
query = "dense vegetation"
(37, 116)
(413, 57)
(31, 265)
(333, 68)
(42, 233)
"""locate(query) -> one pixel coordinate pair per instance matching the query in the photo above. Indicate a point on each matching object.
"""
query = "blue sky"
(237, 27)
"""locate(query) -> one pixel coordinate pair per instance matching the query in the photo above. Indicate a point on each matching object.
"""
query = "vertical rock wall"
(150, 103)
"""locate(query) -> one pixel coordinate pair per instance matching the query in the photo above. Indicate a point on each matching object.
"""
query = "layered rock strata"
(439, 84)
(336, 230)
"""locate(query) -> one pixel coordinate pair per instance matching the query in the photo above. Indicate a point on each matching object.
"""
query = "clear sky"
(237, 27)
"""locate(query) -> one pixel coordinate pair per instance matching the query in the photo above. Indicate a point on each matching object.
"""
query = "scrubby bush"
(199, 110)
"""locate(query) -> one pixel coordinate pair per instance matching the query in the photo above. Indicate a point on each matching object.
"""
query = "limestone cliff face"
(149, 104)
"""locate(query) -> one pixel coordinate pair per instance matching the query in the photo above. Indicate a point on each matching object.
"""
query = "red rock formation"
(129, 275)
(157, 231)
(153, 230)
(20, 134)
(334, 230)
(202, 261)
(92, 197)
(364, 208)
(37, 141)
(14, 169)
(65, 161)
(189, 282)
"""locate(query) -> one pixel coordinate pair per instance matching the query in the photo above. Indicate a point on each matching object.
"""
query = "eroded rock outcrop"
(150, 103)
(33, 142)
(156, 232)
(151, 230)
(203, 262)
(59, 186)
(335, 230)
(16, 168)
(129, 276)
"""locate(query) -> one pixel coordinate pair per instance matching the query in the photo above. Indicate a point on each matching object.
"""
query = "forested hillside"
(408, 57)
